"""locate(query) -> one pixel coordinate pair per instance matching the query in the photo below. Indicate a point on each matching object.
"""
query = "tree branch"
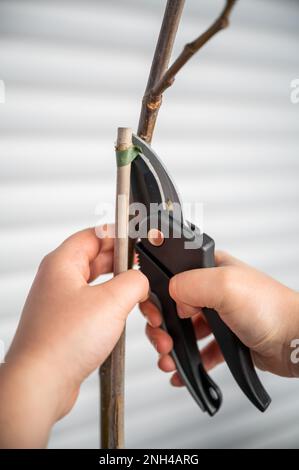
(150, 108)
(154, 95)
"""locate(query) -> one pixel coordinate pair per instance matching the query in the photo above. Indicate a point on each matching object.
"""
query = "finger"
(225, 259)
(201, 326)
(105, 232)
(152, 313)
(166, 363)
(80, 251)
(161, 340)
(181, 287)
(77, 251)
(176, 380)
(119, 295)
(103, 264)
(211, 355)
(186, 311)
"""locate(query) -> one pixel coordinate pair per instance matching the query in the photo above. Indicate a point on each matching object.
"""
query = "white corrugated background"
(74, 71)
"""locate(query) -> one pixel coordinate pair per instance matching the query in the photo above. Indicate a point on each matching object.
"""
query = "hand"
(263, 313)
(67, 329)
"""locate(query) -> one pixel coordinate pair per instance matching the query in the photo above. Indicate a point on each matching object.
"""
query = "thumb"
(106, 307)
(219, 289)
(239, 295)
(204, 287)
(119, 295)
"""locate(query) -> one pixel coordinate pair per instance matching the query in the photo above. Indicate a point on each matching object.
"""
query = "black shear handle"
(238, 359)
(185, 352)
(235, 353)
(173, 255)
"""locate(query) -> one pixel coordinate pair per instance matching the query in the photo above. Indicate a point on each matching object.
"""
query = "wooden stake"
(112, 371)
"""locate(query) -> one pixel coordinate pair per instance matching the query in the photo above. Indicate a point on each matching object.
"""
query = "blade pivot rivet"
(155, 237)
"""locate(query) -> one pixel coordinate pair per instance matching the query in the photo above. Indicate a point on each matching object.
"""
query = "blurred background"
(74, 70)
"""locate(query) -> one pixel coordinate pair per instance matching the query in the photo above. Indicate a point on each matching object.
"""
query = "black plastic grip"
(238, 359)
(173, 257)
(185, 352)
(235, 353)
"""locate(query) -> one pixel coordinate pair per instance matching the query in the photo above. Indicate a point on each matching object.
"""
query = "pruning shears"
(167, 246)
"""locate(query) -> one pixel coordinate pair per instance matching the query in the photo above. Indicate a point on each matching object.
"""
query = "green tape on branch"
(124, 157)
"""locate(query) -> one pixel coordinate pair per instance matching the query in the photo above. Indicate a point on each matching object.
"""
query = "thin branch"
(154, 95)
(149, 110)
(112, 371)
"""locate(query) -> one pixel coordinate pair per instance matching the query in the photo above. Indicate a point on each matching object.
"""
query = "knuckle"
(138, 276)
(221, 256)
(148, 331)
(142, 308)
(161, 363)
(47, 261)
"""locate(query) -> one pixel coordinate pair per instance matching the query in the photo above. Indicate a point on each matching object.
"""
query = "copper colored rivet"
(155, 237)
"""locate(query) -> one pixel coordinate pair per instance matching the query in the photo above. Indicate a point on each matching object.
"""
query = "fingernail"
(172, 287)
